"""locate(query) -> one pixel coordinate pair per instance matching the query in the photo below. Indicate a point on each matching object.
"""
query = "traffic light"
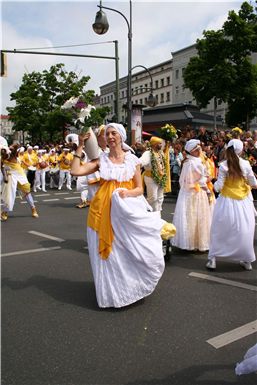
(3, 64)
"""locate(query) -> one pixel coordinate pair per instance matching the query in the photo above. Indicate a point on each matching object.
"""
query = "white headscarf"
(191, 145)
(121, 130)
(237, 144)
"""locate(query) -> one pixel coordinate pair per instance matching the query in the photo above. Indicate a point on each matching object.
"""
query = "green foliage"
(223, 69)
(39, 98)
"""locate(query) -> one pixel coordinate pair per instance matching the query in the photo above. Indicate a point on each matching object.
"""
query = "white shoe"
(59, 188)
(44, 190)
(211, 264)
(69, 188)
(246, 265)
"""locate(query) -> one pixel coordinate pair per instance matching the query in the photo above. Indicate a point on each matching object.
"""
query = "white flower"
(85, 113)
(70, 103)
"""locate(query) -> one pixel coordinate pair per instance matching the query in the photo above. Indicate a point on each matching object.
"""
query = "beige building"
(168, 86)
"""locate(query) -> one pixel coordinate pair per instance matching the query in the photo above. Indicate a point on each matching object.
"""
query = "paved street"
(192, 330)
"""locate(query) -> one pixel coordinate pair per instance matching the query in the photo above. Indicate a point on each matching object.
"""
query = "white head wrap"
(121, 130)
(191, 145)
(237, 144)
(72, 138)
(36, 147)
(21, 149)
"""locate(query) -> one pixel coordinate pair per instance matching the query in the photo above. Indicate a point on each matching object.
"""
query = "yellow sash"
(235, 188)
(99, 216)
(167, 188)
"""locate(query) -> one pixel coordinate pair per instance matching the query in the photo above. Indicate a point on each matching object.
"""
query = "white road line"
(50, 200)
(46, 236)
(71, 198)
(41, 195)
(63, 193)
(224, 281)
(30, 251)
(23, 202)
(233, 335)
(76, 192)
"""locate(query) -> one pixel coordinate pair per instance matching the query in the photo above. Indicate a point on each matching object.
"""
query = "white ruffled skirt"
(192, 219)
(136, 262)
(232, 229)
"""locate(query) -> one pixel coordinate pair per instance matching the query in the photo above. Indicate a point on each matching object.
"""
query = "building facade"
(168, 86)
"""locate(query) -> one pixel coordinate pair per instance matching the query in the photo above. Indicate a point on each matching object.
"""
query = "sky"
(158, 28)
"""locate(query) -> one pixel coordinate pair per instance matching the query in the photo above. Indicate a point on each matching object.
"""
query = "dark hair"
(234, 169)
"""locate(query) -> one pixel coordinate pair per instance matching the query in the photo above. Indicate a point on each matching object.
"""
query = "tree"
(223, 68)
(39, 100)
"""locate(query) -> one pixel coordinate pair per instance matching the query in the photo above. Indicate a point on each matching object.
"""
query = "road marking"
(41, 195)
(71, 198)
(50, 200)
(233, 335)
(224, 281)
(76, 192)
(63, 193)
(46, 236)
(22, 202)
(31, 251)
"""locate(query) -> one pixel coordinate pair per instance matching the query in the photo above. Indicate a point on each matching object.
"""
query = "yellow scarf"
(99, 216)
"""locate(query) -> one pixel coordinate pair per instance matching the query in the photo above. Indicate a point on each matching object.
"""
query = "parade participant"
(82, 185)
(41, 165)
(53, 168)
(233, 223)
(155, 177)
(192, 214)
(124, 242)
(29, 163)
(16, 180)
(64, 161)
(21, 151)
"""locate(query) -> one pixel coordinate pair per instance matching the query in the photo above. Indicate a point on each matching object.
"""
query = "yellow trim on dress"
(235, 188)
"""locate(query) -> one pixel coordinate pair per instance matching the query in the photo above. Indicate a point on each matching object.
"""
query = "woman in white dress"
(233, 224)
(124, 241)
(192, 214)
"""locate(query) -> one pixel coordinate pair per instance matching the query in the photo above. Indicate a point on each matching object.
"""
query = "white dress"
(192, 214)
(233, 223)
(136, 262)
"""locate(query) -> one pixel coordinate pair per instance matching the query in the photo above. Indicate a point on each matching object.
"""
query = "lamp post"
(101, 26)
(151, 100)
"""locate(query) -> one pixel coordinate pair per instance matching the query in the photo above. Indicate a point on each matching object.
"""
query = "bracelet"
(77, 156)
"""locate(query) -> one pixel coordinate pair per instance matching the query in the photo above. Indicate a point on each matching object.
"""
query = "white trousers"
(154, 194)
(40, 180)
(65, 174)
(82, 187)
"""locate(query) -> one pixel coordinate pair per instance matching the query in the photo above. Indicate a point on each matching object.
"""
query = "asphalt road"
(53, 333)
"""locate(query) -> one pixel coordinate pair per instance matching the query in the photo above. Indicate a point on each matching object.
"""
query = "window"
(156, 84)
(141, 101)
(168, 80)
(162, 82)
(162, 98)
(168, 97)
(177, 90)
(177, 74)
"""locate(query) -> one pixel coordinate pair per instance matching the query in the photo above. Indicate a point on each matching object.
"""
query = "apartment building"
(142, 83)
(168, 86)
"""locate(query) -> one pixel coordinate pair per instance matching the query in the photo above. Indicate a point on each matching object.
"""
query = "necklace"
(158, 164)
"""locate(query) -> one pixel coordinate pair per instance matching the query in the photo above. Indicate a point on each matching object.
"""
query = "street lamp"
(100, 27)
(151, 100)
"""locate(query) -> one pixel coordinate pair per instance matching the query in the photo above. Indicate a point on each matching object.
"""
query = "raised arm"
(78, 169)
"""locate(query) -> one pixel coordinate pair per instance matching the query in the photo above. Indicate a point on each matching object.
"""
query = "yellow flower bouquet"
(168, 132)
